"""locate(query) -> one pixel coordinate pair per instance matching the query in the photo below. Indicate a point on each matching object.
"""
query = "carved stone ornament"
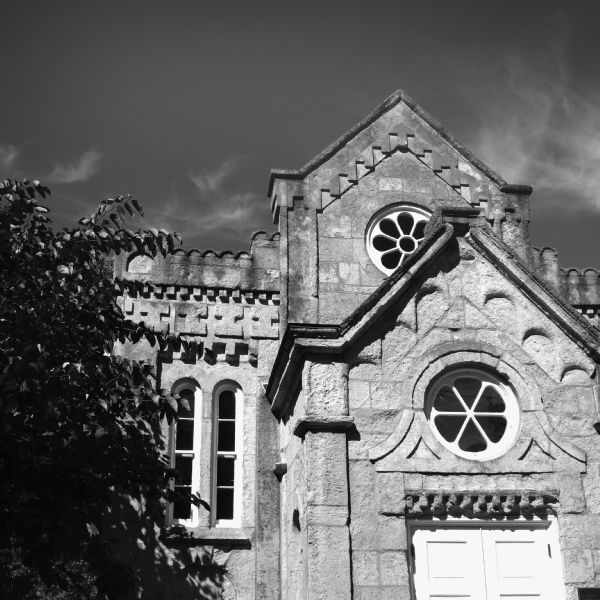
(480, 506)
(412, 447)
(535, 447)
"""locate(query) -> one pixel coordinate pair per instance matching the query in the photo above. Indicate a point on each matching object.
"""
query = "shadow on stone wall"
(146, 568)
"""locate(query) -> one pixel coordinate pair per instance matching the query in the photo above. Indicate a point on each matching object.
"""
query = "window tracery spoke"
(385, 235)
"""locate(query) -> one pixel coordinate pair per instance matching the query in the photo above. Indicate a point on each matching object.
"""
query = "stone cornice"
(188, 293)
(315, 423)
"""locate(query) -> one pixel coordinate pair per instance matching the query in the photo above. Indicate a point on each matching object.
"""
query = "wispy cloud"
(539, 130)
(212, 182)
(220, 211)
(81, 169)
(232, 214)
(8, 157)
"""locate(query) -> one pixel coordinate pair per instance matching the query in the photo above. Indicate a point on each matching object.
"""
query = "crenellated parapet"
(257, 269)
(580, 287)
(215, 303)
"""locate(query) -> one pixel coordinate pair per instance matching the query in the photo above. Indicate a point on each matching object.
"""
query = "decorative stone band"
(184, 293)
(480, 506)
(192, 348)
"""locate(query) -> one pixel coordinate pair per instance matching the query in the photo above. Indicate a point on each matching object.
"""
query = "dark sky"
(187, 105)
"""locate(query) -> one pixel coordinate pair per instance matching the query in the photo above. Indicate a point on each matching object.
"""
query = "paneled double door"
(487, 563)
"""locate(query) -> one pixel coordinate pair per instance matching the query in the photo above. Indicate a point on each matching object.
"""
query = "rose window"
(473, 414)
(394, 236)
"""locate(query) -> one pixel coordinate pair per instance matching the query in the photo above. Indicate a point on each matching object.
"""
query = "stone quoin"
(393, 396)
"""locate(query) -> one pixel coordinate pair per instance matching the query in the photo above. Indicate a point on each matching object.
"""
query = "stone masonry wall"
(466, 312)
(346, 274)
(294, 540)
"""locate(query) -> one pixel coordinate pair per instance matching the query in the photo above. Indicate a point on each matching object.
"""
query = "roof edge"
(568, 319)
(330, 150)
(395, 98)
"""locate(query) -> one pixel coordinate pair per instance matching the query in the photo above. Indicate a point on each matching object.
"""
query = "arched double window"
(185, 445)
(213, 472)
(227, 456)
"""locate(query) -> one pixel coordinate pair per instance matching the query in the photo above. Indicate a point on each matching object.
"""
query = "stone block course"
(349, 273)
(364, 568)
(359, 394)
(579, 565)
(326, 386)
(393, 569)
(327, 480)
(336, 250)
(391, 533)
(383, 593)
(386, 395)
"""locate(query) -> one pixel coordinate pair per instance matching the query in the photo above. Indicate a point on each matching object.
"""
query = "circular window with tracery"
(394, 235)
(473, 414)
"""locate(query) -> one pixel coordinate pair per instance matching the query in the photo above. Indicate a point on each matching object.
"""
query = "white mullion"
(196, 447)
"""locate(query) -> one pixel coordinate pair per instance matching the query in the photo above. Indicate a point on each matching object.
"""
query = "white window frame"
(237, 455)
(550, 525)
(178, 386)
(512, 412)
(373, 230)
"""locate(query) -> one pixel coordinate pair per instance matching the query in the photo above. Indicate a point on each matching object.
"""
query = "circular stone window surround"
(393, 235)
(473, 413)
(428, 365)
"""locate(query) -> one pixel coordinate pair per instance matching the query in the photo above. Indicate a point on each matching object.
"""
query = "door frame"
(550, 524)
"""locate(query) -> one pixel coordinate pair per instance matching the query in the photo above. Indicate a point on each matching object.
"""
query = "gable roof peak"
(396, 98)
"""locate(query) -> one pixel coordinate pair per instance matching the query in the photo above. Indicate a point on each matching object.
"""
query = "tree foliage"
(77, 424)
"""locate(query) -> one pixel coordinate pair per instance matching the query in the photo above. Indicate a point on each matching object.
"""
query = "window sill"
(207, 536)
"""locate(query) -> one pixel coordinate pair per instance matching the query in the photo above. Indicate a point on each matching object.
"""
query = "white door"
(487, 563)
(449, 564)
(518, 563)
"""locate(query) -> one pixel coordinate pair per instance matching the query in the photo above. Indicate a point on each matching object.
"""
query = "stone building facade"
(393, 396)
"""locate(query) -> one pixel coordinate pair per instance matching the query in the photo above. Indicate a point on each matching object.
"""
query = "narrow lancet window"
(228, 458)
(185, 455)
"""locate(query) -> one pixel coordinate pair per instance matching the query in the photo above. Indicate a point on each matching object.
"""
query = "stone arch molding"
(412, 446)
